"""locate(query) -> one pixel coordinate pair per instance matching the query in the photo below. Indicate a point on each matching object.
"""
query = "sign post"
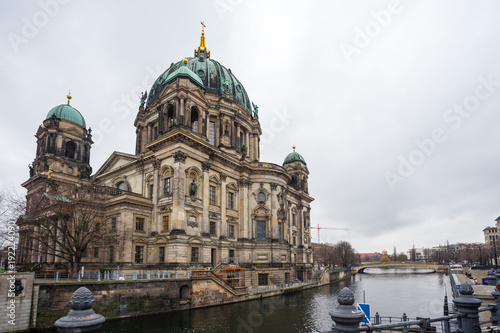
(365, 308)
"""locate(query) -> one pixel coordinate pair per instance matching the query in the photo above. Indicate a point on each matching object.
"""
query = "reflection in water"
(389, 294)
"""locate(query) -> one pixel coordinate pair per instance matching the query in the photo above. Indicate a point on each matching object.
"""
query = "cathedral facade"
(195, 193)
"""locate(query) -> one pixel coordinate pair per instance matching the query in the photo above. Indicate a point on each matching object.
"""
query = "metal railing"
(111, 275)
(347, 318)
(276, 287)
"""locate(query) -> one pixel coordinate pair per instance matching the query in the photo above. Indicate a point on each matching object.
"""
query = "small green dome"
(67, 112)
(294, 157)
(183, 71)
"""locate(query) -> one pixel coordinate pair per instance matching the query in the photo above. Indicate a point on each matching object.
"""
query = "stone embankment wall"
(120, 299)
(113, 299)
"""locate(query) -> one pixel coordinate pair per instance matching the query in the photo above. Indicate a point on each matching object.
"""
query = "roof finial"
(293, 148)
(202, 50)
(68, 96)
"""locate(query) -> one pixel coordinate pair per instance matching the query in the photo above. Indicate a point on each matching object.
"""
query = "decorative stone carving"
(81, 318)
(179, 156)
(205, 166)
(214, 216)
(466, 289)
(274, 186)
(223, 176)
(156, 164)
(346, 297)
(192, 224)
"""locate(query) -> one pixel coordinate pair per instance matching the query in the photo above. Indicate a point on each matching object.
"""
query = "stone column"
(255, 147)
(233, 134)
(237, 134)
(274, 212)
(221, 129)
(223, 205)
(179, 114)
(346, 317)
(179, 188)
(156, 180)
(245, 222)
(205, 223)
(247, 143)
(468, 306)
(205, 124)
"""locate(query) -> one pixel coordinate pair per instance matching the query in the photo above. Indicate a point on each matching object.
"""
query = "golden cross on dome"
(203, 27)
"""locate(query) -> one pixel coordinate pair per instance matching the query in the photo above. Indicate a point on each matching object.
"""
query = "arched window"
(121, 186)
(194, 119)
(170, 116)
(70, 149)
(184, 292)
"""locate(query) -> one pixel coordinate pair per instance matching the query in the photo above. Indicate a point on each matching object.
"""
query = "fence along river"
(390, 292)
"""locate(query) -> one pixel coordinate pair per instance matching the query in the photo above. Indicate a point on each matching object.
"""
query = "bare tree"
(395, 255)
(345, 253)
(402, 257)
(63, 224)
(12, 205)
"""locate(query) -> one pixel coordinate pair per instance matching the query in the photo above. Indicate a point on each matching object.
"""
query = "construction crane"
(318, 227)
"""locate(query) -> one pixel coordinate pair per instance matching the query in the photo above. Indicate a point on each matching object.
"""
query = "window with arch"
(167, 186)
(70, 149)
(211, 133)
(121, 185)
(194, 119)
(230, 200)
(170, 116)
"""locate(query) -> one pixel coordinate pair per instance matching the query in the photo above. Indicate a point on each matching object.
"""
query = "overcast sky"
(393, 104)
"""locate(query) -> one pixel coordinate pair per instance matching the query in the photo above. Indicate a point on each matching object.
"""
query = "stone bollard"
(346, 317)
(495, 314)
(491, 277)
(81, 317)
(468, 306)
(497, 273)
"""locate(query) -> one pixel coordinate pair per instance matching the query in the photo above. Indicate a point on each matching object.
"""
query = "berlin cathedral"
(194, 195)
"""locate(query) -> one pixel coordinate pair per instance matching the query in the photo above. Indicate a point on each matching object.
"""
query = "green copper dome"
(294, 157)
(214, 78)
(67, 112)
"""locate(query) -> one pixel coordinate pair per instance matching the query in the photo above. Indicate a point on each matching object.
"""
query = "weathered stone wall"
(208, 292)
(15, 311)
(113, 299)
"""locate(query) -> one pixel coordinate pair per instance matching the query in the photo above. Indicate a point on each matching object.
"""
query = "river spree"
(388, 291)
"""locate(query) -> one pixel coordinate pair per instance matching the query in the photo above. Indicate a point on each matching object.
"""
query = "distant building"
(491, 240)
(370, 257)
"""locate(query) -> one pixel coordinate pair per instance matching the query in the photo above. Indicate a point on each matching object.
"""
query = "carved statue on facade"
(144, 95)
(194, 187)
(255, 109)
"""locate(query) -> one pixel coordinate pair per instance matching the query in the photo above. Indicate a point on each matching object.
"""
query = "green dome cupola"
(67, 112)
(294, 157)
(205, 72)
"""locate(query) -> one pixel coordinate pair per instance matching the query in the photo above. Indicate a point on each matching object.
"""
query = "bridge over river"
(360, 268)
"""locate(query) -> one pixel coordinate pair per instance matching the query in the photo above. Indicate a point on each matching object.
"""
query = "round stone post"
(491, 277)
(346, 317)
(81, 317)
(495, 314)
(468, 306)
